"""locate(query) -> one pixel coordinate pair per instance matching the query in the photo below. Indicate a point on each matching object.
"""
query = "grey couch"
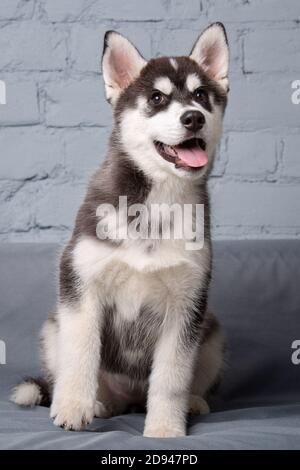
(256, 294)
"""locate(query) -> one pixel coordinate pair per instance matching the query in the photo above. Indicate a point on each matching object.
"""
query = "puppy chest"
(128, 344)
(129, 291)
(134, 314)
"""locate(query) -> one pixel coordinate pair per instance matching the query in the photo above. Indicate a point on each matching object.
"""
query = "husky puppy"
(131, 326)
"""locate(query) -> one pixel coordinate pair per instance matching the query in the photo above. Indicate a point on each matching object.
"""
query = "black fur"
(144, 85)
(43, 387)
(139, 335)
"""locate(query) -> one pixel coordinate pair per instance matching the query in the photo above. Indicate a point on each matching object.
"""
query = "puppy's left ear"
(211, 52)
(121, 64)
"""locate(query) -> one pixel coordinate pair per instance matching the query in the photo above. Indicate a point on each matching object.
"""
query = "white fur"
(50, 346)
(198, 406)
(171, 374)
(101, 411)
(26, 394)
(193, 82)
(164, 85)
(93, 257)
(75, 391)
(174, 63)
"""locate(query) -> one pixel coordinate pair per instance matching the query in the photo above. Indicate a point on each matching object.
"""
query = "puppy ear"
(121, 64)
(211, 52)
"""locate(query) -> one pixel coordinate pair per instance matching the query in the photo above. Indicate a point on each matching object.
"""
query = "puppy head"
(168, 111)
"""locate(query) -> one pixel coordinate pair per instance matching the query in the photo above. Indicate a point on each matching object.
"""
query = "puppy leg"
(170, 381)
(198, 405)
(117, 393)
(75, 388)
(108, 403)
(49, 348)
(208, 367)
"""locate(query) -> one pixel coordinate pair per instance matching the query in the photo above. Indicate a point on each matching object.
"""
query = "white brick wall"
(55, 125)
(21, 106)
(76, 103)
(31, 45)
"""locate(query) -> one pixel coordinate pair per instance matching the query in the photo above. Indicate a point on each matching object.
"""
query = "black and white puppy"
(131, 325)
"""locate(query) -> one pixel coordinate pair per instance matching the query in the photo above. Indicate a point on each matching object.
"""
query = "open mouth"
(190, 154)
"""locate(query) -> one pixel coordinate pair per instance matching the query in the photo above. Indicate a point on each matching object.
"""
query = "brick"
(16, 9)
(42, 205)
(256, 204)
(233, 232)
(251, 154)
(291, 156)
(185, 10)
(57, 235)
(175, 42)
(17, 213)
(58, 206)
(74, 10)
(86, 44)
(21, 104)
(29, 153)
(272, 51)
(253, 10)
(134, 10)
(32, 46)
(7, 189)
(65, 10)
(85, 150)
(76, 103)
(220, 160)
(257, 102)
(139, 34)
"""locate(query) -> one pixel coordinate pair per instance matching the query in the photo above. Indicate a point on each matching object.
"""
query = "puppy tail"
(31, 392)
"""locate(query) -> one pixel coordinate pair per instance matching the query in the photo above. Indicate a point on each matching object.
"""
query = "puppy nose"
(193, 120)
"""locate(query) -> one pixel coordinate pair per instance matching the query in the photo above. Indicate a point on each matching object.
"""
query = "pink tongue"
(194, 157)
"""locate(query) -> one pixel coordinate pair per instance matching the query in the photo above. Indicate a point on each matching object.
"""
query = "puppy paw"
(72, 415)
(102, 411)
(163, 431)
(198, 406)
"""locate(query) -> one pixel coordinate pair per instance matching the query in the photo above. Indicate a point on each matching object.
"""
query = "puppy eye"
(201, 95)
(157, 98)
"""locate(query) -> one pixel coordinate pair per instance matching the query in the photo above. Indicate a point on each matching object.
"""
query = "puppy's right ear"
(121, 64)
(211, 52)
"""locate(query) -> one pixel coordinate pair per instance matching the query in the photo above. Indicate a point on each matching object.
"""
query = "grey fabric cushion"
(255, 293)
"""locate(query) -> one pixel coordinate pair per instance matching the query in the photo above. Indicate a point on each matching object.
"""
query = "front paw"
(71, 414)
(198, 406)
(163, 431)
